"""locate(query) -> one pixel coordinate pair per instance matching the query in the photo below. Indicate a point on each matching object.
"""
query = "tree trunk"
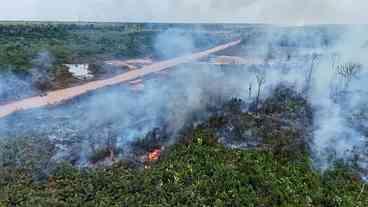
(257, 99)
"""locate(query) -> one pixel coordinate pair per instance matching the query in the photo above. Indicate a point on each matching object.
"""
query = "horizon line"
(181, 22)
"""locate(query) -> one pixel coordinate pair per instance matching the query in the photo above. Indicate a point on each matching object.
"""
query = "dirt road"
(130, 64)
(59, 96)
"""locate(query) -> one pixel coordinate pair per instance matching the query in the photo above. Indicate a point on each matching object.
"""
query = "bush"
(197, 174)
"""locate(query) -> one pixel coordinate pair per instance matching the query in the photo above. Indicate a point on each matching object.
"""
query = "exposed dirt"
(130, 64)
(235, 60)
(59, 96)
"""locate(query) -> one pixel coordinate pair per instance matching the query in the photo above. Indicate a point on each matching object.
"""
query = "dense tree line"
(21, 43)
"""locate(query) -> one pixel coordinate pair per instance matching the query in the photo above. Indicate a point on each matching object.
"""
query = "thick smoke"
(168, 47)
(13, 86)
(18, 85)
(170, 100)
(340, 104)
(119, 115)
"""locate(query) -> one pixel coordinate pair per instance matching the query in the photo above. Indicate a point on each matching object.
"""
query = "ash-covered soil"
(281, 123)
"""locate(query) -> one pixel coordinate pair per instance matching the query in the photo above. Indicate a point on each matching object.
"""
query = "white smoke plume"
(340, 126)
(119, 115)
(340, 122)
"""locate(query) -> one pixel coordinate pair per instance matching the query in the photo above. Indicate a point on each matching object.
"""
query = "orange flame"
(154, 155)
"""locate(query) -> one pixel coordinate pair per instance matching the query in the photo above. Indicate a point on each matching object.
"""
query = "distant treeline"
(66, 43)
(20, 43)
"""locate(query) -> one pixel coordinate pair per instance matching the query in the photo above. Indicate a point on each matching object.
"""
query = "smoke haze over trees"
(297, 107)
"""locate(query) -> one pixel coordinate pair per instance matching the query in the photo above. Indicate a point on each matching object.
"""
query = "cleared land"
(58, 96)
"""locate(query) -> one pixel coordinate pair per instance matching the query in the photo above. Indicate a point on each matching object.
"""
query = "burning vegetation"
(154, 155)
(242, 156)
(278, 120)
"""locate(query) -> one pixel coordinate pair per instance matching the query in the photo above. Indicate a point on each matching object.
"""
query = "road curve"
(59, 96)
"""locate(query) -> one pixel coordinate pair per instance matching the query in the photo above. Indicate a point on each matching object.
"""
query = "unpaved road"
(59, 96)
(130, 64)
(235, 60)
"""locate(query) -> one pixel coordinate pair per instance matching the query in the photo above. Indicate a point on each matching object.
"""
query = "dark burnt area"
(282, 126)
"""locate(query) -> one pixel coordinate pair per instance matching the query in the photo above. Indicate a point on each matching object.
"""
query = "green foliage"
(20, 44)
(68, 43)
(30, 154)
(14, 54)
(198, 174)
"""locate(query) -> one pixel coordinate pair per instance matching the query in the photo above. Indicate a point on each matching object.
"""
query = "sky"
(295, 12)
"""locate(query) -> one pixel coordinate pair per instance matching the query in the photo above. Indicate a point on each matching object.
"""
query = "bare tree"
(334, 60)
(310, 73)
(250, 90)
(289, 53)
(347, 72)
(261, 80)
(269, 55)
(334, 89)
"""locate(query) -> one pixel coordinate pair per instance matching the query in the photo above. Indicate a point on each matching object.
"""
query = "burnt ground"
(281, 124)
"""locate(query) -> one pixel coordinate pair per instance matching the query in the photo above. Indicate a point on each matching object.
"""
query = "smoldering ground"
(118, 116)
(340, 103)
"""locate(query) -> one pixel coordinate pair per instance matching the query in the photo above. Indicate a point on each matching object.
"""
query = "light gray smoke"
(340, 117)
(118, 115)
(294, 12)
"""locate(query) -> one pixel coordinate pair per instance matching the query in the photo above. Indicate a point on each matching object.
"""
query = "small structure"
(80, 71)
